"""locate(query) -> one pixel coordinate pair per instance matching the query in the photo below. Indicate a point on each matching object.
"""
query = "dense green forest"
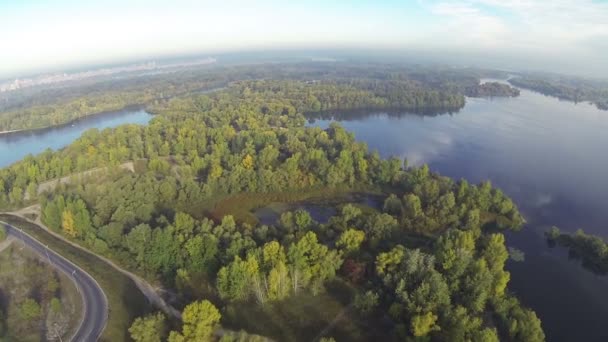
(590, 249)
(380, 87)
(427, 264)
(566, 88)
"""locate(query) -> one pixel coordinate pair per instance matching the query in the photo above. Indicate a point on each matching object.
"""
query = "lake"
(15, 146)
(550, 157)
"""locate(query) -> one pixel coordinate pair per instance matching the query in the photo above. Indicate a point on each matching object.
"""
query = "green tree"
(422, 325)
(235, 281)
(200, 320)
(29, 310)
(412, 206)
(311, 263)
(553, 233)
(486, 335)
(151, 328)
(366, 302)
(495, 253)
(393, 206)
(351, 240)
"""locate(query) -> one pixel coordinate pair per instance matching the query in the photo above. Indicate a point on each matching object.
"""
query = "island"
(590, 249)
(566, 88)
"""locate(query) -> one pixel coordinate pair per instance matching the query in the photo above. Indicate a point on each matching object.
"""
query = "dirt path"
(52, 184)
(151, 292)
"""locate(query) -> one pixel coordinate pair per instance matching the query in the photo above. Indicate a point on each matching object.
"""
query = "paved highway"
(95, 303)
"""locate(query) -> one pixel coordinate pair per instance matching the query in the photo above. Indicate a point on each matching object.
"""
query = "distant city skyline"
(569, 36)
(60, 77)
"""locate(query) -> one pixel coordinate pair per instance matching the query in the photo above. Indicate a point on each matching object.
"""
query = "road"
(95, 303)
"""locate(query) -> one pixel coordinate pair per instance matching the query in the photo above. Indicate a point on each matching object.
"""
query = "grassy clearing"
(241, 205)
(124, 298)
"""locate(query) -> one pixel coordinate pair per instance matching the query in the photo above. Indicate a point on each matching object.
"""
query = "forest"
(384, 87)
(566, 88)
(492, 89)
(426, 264)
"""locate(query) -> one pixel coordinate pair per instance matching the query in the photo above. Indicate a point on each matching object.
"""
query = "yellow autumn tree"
(67, 223)
(422, 325)
(248, 162)
(216, 171)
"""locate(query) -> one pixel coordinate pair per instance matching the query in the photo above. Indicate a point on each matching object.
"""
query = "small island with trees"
(591, 250)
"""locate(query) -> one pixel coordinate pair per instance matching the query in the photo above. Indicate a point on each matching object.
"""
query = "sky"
(569, 36)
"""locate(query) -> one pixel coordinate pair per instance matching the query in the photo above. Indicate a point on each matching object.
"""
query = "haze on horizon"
(568, 36)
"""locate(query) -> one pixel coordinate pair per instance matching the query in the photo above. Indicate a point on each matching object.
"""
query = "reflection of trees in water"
(588, 263)
(320, 209)
(358, 114)
(591, 259)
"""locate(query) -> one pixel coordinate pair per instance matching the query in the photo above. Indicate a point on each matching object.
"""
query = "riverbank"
(146, 107)
(34, 130)
(13, 131)
(15, 146)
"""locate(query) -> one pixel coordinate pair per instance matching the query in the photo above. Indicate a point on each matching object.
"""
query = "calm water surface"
(15, 146)
(550, 157)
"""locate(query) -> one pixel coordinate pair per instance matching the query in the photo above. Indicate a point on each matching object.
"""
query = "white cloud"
(528, 24)
(567, 35)
(466, 24)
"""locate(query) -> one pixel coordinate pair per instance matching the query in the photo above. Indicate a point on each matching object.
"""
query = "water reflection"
(321, 210)
(359, 114)
(15, 146)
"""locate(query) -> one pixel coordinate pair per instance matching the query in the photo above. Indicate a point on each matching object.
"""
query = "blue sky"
(561, 35)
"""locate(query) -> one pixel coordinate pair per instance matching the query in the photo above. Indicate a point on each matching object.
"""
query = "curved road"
(95, 303)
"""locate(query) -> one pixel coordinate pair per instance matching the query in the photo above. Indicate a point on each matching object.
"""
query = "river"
(550, 157)
(15, 146)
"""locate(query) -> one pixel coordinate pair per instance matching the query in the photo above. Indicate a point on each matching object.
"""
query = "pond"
(15, 146)
(321, 210)
(550, 157)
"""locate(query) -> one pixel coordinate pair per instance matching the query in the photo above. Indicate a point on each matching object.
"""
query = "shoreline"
(67, 123)
(13, 131)
(139, 106)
